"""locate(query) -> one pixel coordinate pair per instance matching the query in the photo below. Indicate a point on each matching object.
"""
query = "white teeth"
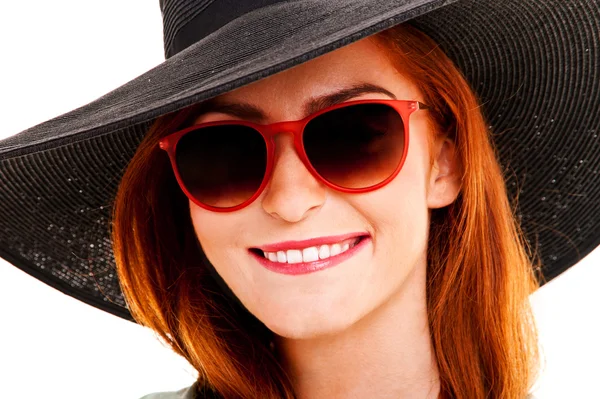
(310, 254)
(324, 252)
(335, 249)
(281, 257)
(294, 256)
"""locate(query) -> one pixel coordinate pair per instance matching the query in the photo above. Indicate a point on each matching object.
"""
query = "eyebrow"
(252, 112)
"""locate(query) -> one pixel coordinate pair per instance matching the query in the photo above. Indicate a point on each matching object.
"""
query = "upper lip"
(313, 242)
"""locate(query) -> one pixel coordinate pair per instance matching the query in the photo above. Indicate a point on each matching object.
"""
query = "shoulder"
(184, 393)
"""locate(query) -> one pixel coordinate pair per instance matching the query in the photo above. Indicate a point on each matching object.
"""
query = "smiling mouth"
(310, 254)
(297, 262)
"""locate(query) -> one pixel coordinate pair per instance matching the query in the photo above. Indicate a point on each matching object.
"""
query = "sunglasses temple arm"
(423, 106)
(428, 108)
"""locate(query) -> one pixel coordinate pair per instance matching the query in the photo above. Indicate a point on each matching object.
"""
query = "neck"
(387, 353)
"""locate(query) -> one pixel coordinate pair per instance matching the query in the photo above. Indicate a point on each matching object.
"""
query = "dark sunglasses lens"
(357, 146)
(222, 166)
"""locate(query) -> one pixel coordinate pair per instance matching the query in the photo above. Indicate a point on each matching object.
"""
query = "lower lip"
(309, 267)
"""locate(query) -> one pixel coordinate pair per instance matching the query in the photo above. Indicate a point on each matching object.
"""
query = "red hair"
(479, 273)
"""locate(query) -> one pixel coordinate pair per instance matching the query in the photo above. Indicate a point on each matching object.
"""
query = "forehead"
(287, 94)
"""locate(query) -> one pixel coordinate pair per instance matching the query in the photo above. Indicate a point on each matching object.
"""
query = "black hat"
(535, 64)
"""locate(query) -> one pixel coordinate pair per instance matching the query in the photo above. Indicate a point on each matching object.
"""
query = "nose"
(292, 193)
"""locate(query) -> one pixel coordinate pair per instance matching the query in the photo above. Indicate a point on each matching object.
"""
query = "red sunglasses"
(353, 147)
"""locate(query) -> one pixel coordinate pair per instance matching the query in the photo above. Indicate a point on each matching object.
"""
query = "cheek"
(399, 210)
(218, 234)
(400, 217)
(208, 231)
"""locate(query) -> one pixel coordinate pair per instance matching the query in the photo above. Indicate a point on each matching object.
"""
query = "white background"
(57, 55)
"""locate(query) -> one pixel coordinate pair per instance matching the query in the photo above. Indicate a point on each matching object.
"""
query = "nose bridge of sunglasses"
(278, 128)
(285, 137)
(280, 133)
(284, 142)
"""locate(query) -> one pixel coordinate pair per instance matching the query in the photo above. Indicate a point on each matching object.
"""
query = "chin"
(307, 325)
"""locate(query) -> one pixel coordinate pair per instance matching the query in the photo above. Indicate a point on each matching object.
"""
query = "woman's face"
(296, 206)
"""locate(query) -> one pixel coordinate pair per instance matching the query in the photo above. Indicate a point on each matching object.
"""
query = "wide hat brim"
(534, 64)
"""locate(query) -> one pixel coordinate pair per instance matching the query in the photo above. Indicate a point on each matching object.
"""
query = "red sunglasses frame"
(404, 108)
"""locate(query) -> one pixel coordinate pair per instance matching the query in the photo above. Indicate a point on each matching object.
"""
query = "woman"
(368, 250)
(358, 326)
